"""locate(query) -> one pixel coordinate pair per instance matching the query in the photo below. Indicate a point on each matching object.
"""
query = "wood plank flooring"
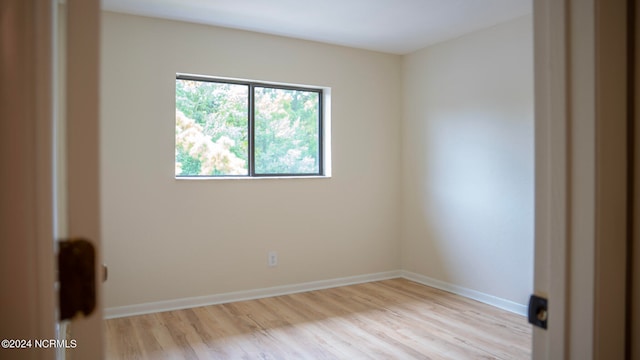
(391, 319)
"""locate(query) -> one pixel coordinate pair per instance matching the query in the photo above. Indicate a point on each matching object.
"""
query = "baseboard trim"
(504, 304)
(185, 303)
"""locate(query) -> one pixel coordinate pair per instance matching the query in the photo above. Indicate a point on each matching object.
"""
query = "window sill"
(218, 178)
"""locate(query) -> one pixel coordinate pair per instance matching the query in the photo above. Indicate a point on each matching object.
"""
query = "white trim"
(185, 303)
(503, 304)
(247, 177)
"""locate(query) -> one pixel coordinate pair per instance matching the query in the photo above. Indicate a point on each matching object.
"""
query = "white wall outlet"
(273, 258)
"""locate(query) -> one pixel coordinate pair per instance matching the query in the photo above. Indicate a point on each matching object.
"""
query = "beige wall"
(467, 147)
(432, 166)
(167, 239)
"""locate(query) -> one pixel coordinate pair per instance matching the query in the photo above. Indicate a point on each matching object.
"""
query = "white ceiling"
(392, 26)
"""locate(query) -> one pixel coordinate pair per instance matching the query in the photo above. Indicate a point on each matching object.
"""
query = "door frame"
(82, 165)
(581, 181)
(27, 113)
(634, 242)
(26, 218)
(550, 173)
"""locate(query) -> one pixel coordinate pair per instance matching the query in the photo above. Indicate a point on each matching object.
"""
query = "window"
(237, 128)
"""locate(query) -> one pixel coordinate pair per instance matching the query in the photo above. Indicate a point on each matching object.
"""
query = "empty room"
(294, 179)
(339, 179)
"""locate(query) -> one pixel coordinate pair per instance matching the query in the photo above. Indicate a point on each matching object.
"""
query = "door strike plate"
(77, 278)
(538, 311)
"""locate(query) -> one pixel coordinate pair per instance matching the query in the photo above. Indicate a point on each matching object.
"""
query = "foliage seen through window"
(218, 135)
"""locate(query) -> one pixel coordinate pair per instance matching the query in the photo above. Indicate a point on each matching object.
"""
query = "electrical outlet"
(273, 258)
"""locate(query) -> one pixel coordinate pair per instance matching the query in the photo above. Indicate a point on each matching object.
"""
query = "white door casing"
(27, 302)
(82, 155)
(580, 75)
(27, 97)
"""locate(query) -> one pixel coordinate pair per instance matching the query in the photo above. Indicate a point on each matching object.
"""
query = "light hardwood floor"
(391, 319)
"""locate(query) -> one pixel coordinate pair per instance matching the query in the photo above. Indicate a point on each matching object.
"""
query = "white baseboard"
(504, 304)
(185, 303)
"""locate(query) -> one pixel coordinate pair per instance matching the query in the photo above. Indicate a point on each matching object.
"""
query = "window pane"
(211, 128)
(286, 131)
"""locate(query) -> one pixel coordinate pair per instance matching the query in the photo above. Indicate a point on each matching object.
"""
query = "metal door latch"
(77, 278)
(538, 311)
